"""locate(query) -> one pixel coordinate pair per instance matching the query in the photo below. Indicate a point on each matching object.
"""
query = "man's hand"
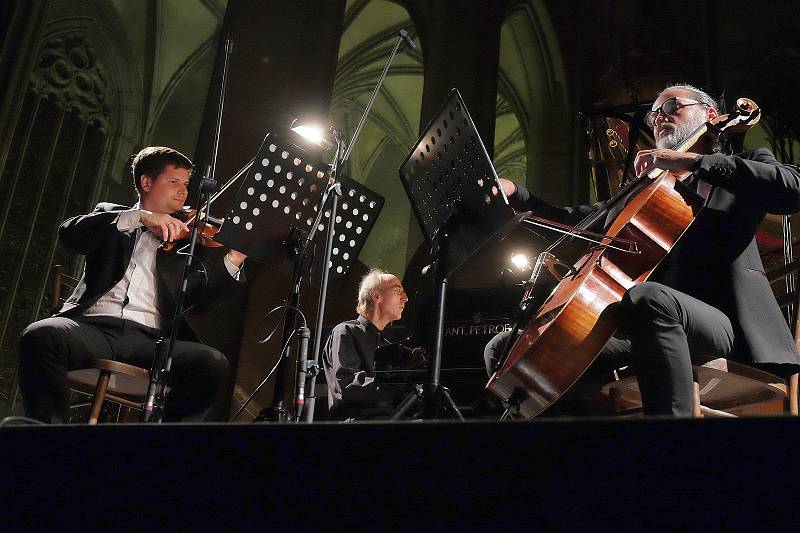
(163, 226)
(236, 258)
(665, 159)
(509, 187)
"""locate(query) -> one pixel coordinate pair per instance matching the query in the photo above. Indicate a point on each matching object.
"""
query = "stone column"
(282, 67)
(461, 48)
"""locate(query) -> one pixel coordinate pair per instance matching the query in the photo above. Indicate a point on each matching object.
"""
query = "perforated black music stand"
(281, 194)
(357, 211)
(279, 208)
(449, 175)
(460, 205)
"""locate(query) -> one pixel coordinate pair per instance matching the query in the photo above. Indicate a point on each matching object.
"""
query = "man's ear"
(711, 113)
(147, 183)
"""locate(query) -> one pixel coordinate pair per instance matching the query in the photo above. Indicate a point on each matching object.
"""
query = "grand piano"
(473, 317)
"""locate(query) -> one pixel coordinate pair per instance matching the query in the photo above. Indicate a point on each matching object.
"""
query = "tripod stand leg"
(447, 401)
(513, 404)
(408, 402)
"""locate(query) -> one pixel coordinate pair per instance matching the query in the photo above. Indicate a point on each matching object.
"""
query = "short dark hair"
(153, 160)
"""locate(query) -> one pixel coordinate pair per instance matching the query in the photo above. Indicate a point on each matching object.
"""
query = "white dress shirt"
(135, 296)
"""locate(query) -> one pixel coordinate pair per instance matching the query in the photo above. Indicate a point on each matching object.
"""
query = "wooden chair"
(725, 388)
(104, 379)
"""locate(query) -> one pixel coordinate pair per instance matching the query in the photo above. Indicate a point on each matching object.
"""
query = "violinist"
(125, 299)
(710, 297)
(349, 353)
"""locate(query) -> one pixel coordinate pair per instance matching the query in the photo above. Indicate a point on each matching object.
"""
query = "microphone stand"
(162, 362)
(296, 245)
(339, 160)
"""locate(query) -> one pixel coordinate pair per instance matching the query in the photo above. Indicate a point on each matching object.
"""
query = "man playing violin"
(125, 298)
(710, 297)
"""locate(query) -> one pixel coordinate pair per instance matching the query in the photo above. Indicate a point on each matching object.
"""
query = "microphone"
(152, 408)
(302, 358)
(407, 39)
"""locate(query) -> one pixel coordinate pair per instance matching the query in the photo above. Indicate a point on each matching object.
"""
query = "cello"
(576, 320)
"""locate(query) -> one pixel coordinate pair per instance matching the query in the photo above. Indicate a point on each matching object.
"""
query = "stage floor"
(606, 474)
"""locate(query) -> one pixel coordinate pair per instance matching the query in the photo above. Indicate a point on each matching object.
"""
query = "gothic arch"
(80, 118)
(183, 90)
(368, 36)
(532, 99)
(100, 23)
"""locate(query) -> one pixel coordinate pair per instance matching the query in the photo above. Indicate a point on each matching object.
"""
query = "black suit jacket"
(717, 259)
(108, 252)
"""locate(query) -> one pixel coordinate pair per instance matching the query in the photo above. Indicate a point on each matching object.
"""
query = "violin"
(571, 327)
(207, 229)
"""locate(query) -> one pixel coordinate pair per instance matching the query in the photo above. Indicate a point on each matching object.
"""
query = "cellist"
(710, 296)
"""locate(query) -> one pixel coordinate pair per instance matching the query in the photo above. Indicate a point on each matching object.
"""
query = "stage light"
(521, 262)
(514, 271)
(312, 132)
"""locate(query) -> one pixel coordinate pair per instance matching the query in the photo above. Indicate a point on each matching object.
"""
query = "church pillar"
(282, 67)
(461, 47)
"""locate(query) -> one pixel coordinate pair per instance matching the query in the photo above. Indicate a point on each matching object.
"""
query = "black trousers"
(51, 347)
(665, 330)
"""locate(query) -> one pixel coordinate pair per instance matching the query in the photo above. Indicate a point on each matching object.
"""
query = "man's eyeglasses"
(669, 107)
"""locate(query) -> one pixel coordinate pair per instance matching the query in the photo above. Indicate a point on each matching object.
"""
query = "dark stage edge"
(555, 474)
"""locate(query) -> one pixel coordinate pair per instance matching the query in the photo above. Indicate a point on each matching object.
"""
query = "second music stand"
(458, 201)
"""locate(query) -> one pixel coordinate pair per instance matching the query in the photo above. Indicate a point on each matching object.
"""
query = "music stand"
(279, 192)
(357, 211)
(277, 211)
(458, 201)
(283, 191)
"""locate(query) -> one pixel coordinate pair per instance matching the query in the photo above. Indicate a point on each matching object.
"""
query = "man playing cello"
(710, 295)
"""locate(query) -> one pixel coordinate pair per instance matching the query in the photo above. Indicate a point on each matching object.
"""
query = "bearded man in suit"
(710, 296)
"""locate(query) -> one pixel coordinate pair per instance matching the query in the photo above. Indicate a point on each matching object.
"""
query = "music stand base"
(417, 398)
(272, 414)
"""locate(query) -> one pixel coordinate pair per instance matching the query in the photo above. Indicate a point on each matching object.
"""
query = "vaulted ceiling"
(172, 44)
(531, 78)
(175, 42)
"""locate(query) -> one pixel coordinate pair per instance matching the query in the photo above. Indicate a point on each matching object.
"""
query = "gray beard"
(678, 134)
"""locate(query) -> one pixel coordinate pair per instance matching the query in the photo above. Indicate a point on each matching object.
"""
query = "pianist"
(349, 353)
